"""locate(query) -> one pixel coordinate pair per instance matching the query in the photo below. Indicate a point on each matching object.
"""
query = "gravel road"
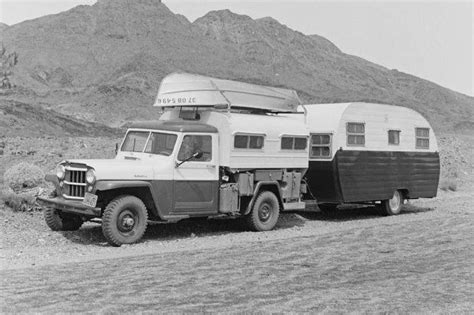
(352, 261)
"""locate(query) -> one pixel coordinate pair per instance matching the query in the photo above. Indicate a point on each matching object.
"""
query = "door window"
(196, 143)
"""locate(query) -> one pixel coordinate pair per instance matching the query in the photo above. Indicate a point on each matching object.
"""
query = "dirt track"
(420, 261)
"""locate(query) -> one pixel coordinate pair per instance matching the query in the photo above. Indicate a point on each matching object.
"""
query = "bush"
(23, 176)
(20, 202)
(448, 184)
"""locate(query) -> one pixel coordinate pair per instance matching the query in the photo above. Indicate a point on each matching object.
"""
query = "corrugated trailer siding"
(323, 181)
(374, 175)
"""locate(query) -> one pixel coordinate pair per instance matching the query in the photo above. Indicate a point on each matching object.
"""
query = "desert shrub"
(448, 184)
(25, 201)
(23, 176)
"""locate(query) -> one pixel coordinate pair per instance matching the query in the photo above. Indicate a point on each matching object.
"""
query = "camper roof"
(189, 90)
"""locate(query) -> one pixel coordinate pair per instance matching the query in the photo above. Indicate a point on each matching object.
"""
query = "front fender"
(115, 184)
(106, 185)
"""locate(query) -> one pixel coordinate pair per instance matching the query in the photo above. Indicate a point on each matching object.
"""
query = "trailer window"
(293, 143)
(355, 134)
(248, 142)
(394, 137)
(320, 146)
(422, 138)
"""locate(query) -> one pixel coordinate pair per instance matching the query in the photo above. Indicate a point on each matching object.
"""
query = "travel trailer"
(226, 148)
(362, 152)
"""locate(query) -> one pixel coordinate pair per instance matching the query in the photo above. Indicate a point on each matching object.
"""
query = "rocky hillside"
(20, 119)
(104, 62)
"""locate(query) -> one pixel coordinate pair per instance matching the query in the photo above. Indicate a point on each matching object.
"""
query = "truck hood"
(124, 169)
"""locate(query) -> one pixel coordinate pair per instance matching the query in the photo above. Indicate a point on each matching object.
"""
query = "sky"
(429, 39)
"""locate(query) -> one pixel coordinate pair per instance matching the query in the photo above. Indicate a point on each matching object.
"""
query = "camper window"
(394, 137)
(422, 138)
(248, 142)
(355, 134)
(320, 146)
(293, 143)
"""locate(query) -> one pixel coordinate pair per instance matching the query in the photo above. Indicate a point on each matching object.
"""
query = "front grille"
(74, 183)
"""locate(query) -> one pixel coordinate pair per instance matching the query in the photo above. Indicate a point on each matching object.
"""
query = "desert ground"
(353, 260)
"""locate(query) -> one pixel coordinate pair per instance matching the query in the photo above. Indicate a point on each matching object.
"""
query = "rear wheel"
(393, 206)
(265, 212)
(124, 220)
(60, 221)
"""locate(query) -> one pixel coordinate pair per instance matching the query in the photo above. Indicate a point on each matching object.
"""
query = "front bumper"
(70, 206)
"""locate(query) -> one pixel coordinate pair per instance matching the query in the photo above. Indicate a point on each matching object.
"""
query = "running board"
(294, 206)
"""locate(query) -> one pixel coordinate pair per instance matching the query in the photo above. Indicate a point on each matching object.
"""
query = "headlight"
(60, 171)
(90, 176)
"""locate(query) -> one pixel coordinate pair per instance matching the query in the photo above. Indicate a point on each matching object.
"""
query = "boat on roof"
(190, 90)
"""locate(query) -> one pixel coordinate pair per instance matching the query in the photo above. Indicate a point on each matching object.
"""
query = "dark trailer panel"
(360, 176)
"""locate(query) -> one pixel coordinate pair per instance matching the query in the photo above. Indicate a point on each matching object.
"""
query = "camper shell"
(364, 152)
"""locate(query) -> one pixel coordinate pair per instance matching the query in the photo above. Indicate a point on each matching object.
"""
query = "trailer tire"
(60, 221)
(393, 206)
(124, 220)
(265, 212)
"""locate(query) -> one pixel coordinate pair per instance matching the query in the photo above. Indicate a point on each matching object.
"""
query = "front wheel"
(393, 206)
(124, 220)
(265, 212)
(60, 221)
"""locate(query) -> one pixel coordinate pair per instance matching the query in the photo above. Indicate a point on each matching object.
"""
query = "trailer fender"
(272, 186)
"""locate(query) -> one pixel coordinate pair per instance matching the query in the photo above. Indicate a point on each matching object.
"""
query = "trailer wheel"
(265, 212)
(393, 206)
(124, 220)
(60, 221)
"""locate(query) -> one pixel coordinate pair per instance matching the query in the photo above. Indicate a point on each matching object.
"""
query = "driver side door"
(196, 181)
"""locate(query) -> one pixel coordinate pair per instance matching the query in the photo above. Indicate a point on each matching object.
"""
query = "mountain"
(104, 63)
(3, 26)
(25, 120)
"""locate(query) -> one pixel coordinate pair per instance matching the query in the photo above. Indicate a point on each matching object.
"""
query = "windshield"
(158, 143)
(135, 141)
(161, 143)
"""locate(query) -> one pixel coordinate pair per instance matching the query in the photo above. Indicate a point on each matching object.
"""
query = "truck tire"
(393, 206)
(124, 220)
(264, 213)
(60, 221)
